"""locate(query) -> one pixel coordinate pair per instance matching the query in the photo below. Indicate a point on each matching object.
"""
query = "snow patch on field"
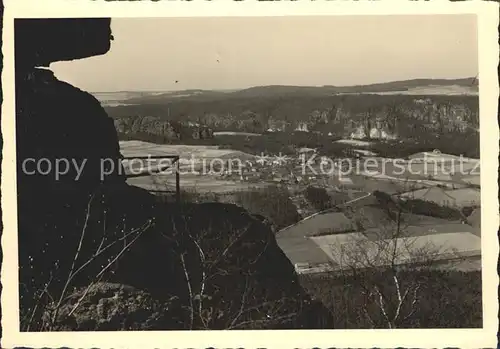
(140, 148)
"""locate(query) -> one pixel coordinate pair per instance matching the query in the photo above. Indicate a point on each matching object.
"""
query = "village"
(355, 217)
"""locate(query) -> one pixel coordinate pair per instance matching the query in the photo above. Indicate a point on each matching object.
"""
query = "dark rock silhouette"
(89, 242)
(39, 43)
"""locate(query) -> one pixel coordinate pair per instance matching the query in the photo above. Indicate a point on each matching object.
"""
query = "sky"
(165, 54)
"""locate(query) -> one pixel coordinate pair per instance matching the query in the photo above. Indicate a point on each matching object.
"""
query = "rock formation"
(154, 129)
(103, 307)
(97, 254)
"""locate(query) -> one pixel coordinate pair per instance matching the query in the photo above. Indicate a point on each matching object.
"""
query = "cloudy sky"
(226, 53)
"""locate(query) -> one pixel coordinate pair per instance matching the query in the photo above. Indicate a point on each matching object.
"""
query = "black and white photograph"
(318, 172)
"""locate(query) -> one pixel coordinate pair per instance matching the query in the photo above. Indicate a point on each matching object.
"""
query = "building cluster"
(302, 169)
(312, 243)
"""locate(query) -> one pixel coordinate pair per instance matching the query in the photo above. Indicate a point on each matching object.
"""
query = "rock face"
(396, 116)
(155, 129)
(95, 253)
(211, 266)
(108, 306)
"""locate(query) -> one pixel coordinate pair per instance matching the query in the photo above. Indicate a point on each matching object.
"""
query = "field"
(445, 247)
(452, 90)
(353, 142)
(139, 148)
(229, 133)
(195, 165)
(188, 182)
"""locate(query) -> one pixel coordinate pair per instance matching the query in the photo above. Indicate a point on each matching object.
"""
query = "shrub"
(318, 198)
(448, 299)
(426, 208)
(272, 202)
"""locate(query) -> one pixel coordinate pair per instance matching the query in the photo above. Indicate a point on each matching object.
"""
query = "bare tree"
(211, 277)
(91, 265)
(386, 263)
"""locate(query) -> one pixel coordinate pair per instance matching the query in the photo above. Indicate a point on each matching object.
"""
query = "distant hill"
(440, 113)
(464, 86)
(394, 86)
(408, 84)
(112, 99)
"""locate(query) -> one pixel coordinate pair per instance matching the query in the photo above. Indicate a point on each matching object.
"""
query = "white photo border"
(487, 14)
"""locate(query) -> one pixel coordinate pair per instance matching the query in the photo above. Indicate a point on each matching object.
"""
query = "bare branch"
(365, 311)
(413, 304)
(80, 243)
(186, 273)
(243, 303)
(101, 273)
(381, 306)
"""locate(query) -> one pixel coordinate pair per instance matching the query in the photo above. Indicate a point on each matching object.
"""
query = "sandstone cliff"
(404, 115)
(161, 130)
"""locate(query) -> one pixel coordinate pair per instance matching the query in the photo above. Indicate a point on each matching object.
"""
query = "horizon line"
(474, 78)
